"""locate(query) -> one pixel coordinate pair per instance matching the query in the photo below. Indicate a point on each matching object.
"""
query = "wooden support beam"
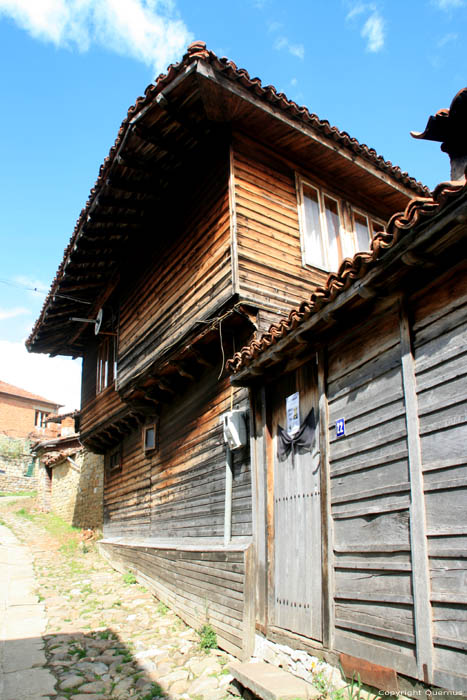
(148, 186)
(412, 259)
(199, 358)
(182, 371)
(327, 567)
(418, 530)
(164, 142)
(165, 387)
(129, 160)
(121, 203)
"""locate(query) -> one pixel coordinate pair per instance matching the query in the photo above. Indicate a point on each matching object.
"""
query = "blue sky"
(71, 68)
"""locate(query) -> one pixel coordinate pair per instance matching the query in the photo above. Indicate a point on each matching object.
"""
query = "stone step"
(272, 683)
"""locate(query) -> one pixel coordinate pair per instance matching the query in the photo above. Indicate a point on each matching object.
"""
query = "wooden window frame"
(150, 426)
(114, 468)
(347, 244)
(42, 416)
(307, 256)
(371, 222)
(105, 364)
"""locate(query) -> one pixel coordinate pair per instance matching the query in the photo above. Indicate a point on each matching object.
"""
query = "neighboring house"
(69, 478)
(361, 526)
(221, 205)
(22, 414)
(22, 419)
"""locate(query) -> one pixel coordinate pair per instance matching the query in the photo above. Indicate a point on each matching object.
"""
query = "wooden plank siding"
(395, 519)
(179, 491)
(168, 295)
(200, 585)
(100, 408)
(370, 496)
(270, 270)
(440, 346)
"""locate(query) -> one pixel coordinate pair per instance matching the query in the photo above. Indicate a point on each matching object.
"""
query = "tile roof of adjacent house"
(417, 211)
(22, 393)
(197, 51)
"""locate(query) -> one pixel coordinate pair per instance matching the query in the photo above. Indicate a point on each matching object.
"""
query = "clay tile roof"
(22, 393)
(198, 51)
(418, 210)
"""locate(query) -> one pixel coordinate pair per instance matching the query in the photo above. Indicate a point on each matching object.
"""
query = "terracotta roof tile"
(197, 50)
(16, 391)
(418, 210)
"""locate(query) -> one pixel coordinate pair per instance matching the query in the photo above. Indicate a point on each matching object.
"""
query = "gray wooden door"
(297, 526)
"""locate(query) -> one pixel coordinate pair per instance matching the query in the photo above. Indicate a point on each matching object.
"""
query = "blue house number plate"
(340, 427)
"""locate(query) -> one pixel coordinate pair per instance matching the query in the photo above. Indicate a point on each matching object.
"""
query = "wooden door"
(297, 518)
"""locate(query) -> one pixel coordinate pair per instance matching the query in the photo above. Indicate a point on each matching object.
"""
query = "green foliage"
(207, 638)
(155, 692)
(31, 494)
(25, 514)
(13, 448)
(162, 608)
(104, 635)
(129, 578)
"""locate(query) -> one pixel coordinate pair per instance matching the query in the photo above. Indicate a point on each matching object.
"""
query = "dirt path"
(106, 636)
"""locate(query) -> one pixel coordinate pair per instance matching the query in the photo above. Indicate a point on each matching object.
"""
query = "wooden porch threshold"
(271, 683)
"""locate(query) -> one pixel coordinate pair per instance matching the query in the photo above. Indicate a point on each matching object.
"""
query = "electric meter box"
(234, 425)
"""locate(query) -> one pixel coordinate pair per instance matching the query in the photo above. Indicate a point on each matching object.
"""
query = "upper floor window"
(327, 236)
(40, 419)
(105, 364)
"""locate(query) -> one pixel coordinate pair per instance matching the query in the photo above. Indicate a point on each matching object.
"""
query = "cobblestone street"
(105, 635)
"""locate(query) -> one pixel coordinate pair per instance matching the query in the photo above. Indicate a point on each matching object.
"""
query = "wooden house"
(221, 205)
(361, 526)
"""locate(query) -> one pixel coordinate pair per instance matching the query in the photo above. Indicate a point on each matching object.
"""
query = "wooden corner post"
(419, 548)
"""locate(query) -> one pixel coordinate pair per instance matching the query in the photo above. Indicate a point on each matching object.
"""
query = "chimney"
(450, 127)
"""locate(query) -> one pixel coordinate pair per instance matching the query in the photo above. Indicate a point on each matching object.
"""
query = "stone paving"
(89, 633)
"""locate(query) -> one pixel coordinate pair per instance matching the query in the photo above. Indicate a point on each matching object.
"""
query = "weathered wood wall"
(440, 352)
(270, 270)
(370, 495)
(186, 275)
(179, 491)
(210, 585)
(398, 484)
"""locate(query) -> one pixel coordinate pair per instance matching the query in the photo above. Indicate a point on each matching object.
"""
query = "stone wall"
(15, 458)
(74, 489)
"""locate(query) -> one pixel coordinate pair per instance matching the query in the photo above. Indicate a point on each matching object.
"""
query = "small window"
(326, 240)
(365, 228)
(150, 437)
(40, 419)
(105, 364)
(321, 228)
(115, 460)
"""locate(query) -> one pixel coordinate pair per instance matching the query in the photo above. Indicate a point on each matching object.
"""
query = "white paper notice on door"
(292, 404)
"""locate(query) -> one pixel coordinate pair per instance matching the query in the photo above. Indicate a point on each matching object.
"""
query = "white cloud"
(448, 4)
(373, 32)
(57, 378)
(146, 30)
(274, 26)
(294, 82)
(373, 28)
(295, 49)
(12, 313)
(447, 39)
